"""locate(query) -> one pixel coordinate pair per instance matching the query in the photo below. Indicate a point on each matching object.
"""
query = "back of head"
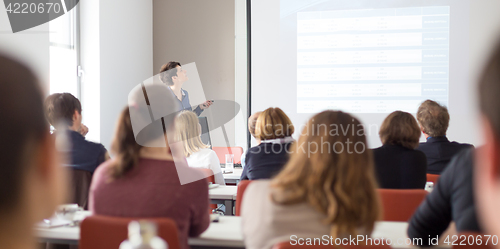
(273, 123)
(188, 132)
(433, 118)
(22, 129)
(167, 71)
(252, 122)
(129, 137)
(333, 172)
(60, 108)
(400, 128)
(489, 91)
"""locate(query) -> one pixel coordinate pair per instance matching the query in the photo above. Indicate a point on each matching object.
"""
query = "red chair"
(242, 186)
(432, 178)
(400, 204)
(470, 239)
(104, 232)
(287, 245)
(222, 151)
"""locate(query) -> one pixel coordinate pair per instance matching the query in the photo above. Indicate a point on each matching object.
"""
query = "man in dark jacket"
(434, 119)
(451, 200)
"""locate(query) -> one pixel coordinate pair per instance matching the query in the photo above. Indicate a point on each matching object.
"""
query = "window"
(64, 53)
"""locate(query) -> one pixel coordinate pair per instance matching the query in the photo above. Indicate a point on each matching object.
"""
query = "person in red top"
(142, 180)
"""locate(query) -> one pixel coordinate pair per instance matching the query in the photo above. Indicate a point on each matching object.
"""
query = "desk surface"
(236, 175)
(223, 193)
(227, 233)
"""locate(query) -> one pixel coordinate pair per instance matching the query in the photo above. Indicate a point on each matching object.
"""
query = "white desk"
(224, 195)
(225, 234)
(233, 178)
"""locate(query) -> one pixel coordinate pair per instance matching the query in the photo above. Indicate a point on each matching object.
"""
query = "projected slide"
(372, 61)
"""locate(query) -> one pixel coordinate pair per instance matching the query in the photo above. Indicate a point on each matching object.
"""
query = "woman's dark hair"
(168, 71)
(22, 129)
(60, 108)
(136, 127)
(400, 128)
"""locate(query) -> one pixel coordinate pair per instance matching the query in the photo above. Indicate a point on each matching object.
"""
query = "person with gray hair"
(434, 120)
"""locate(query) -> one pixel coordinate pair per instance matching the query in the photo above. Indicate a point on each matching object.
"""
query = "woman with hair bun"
(174, 77)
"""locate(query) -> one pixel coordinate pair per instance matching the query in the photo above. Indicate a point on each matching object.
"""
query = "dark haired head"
(136, 128)
(23, 127)
(400, 128)
(166, 72)
(60, 108)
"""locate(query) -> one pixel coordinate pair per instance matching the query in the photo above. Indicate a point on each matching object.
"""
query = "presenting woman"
(174, 76)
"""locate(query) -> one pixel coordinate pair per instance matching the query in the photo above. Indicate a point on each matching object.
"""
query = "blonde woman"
(273, 131)
(327, 188)
(198, 154)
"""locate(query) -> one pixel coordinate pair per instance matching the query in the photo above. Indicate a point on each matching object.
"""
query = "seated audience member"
(324, 190)
(198, 155)
(142, 179)
(274, 131)
(63, 109)
(252, 120)
(31, 178)
(487, 173)
(397, 164)
(434, 119)
(451, 199)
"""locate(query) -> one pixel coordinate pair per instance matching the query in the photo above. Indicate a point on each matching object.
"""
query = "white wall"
(241, 73)
(117, 55)
(484, 33)
(91, 64)
(30, 46)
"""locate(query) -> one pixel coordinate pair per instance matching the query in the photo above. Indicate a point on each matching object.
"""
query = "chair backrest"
(239, 195)
(288, 245)
(209, 174)
(222, 151)
(205, 134)
(432, 178)
(400, 204)
(473, 240)
(79, 187)
(105, 232)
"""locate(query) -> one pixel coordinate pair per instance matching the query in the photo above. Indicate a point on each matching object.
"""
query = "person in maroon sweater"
(142, 180)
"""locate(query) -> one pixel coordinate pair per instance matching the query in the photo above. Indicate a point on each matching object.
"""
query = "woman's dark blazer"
(397, 167)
